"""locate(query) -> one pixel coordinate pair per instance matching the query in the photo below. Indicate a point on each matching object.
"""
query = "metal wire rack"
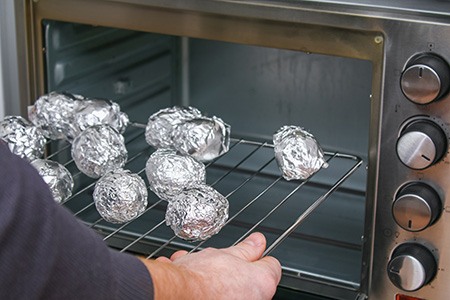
(247, 175)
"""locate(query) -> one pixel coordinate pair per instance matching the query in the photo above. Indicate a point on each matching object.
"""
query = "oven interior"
(256, 90)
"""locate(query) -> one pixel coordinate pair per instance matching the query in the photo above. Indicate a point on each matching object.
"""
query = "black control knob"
(421, 143)
(416, 206)
(411, 266)
(426, 78)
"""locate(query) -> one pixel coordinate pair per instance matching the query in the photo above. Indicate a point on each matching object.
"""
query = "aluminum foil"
(90, 112)
(203, 138)
(197, 213)
(168, 173)
(54, 115)
(57, 177)
(65, 115)
(158, 132)
(99, 149)
(297, 153)
(23, 138)
(120, 196)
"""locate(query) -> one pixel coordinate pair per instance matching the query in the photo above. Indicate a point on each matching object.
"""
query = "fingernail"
(253, 240)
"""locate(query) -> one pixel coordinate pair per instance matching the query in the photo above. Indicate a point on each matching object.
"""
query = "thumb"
(250, 249)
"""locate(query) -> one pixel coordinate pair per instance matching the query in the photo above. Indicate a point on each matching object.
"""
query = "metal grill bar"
(309, 210)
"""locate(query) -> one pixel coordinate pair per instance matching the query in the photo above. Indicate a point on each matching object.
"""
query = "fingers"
(273, 265)
(163, 259)
(251, 248)
(178, 254)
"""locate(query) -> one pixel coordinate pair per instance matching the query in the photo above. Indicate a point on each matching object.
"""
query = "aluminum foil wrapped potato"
(160, 125)
(203, 138)
(168, 173)
(197, 213)
(120, 196)
(54, 113)
(65, 115)
(90, 112)
(23, 138)
(57, 177)
(98, 150)
(297, 153)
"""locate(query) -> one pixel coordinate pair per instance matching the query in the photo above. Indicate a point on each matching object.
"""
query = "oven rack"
(247, 163)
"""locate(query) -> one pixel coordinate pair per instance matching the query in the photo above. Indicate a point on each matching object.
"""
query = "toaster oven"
(369, 79)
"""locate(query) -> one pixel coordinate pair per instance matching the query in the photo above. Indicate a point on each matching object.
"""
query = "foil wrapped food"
(197, 213)
(65, 115)
(203, 138)
(54, 113)
(90, 112)
(120, 196)
(297, 153)
(22, 137)
(168, 173)
(160, 125)
(57, 177)
(98, 150)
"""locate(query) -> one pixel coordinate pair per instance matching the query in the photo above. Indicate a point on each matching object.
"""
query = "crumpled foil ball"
(54, 113)
(98, 150)
(57, 177)
(297, 153)
(65, 115)
(23, 138)
(197, 213)
(203, 138)
(90, 112)
(158, 132)
(168, 173)
(120, 196)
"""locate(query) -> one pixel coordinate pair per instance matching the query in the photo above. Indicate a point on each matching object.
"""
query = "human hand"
(236, 272)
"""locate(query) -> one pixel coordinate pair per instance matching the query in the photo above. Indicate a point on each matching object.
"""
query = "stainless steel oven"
(370, 79)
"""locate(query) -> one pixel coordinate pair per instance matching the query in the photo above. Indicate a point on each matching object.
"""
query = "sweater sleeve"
(46, 253)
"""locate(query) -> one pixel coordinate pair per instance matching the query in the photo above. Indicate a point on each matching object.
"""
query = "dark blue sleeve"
(46, 253)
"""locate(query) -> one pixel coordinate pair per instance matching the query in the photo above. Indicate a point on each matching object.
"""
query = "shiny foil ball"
(197, 213)
(98, 150)
(168, 173)
(203, 138)
(120, 196)
(57, 177)
(90, 112)
(160, 125)
(297, 153)
(23, 138)
(54, 114)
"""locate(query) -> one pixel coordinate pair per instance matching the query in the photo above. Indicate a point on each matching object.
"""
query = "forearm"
(46, 253)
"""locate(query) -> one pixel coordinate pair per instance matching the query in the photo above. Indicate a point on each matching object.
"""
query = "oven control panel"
(413, 233)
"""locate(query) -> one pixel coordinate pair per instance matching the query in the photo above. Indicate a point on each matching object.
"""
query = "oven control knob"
(416, 206)
(411, 266)
(425, 79)
(421, 144)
